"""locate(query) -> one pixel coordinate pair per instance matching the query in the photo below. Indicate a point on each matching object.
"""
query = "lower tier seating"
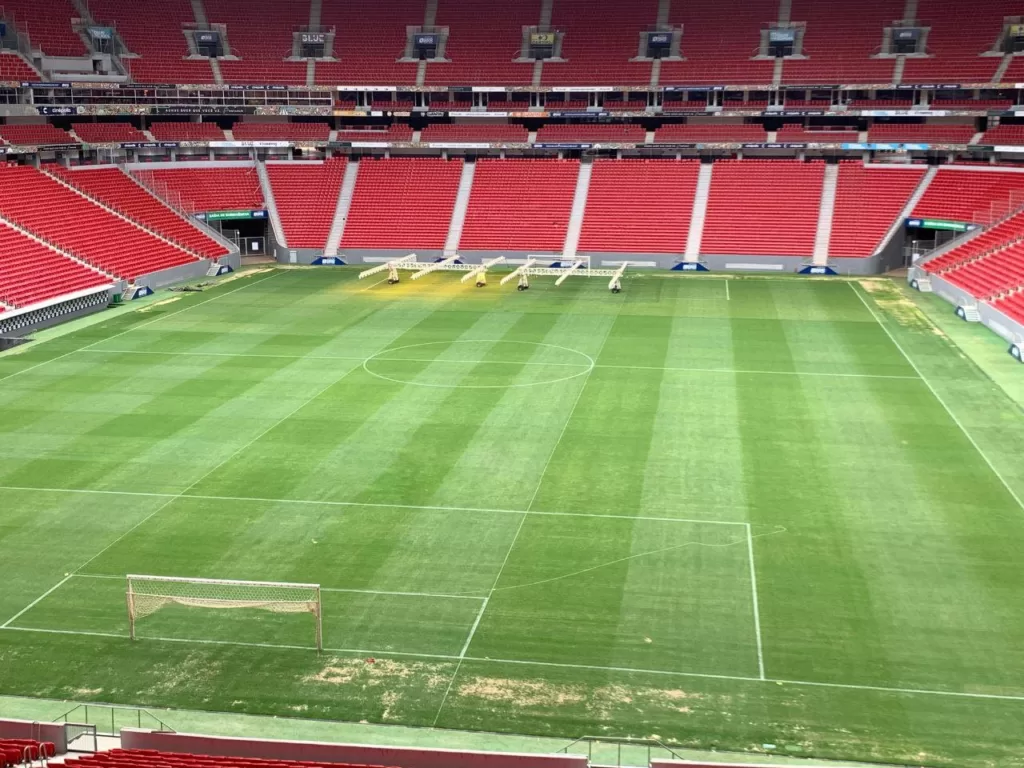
(197, 190)
(306, 197)
(30, 273)
(978, 195)
(151, 758)
(868, 201)
(1012, 305)
(992, 275)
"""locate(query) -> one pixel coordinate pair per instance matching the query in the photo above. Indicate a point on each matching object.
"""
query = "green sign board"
(952, 226)
(225, 215)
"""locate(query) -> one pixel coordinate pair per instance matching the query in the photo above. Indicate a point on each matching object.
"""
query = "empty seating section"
(763, 207)
(148, 758)
(73, 223)
(520, 205)
(959, 33)
(390, 133)
(719, 40)
(840, 39)
(798, 133)
(484, 39)
(31, 272)
(979, 245)
(607, 132)
(120, 191)
(601, 36)
(993, 275)
(708, 132)
(156, 36)
(13, 68)
(881, 104)
(174, 131)
(306, 197)
(260, 33)
(510, 134)
(48, 25)
(207, 189)
(981, 196)
(614, 105)
(641, 206)
(402, 203)
(1004, 134)
(247, 131)
(35, 134)
(1013, 304)
(370, 37)
(17, 750)
(868, 201)
(921, 132)
(100, 133)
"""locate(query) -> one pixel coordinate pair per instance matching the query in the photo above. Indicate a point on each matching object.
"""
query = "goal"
(148, 594)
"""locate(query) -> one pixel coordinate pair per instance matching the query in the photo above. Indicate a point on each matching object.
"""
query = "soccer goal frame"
(145, 595)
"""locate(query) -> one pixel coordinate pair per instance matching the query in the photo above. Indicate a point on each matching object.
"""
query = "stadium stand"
(213, 189)
(601, 36)
(991, 240)
(614, 105)
(15, 69)
(979, 196)
(402, 203)
(116, 189)
(28, 750)
(31, 272)
(670, 104)
(824, 135)
(1004, 134)
(76, 225)
(181, 131)
(639, 205)
(839, 41)
(43, 133)
(104, 133)
(959, 33)
(370, 38)
(147, 758)
(484, 39)
(1012, 305)
(48, 25)
(868, 201)
(392, 133)
(520, 204)
(710, 132)
(763, 207)
(607, 132)
(487, 132)
(938, 102)
(306, 196)
(881, 103)
(921, 132)
(719, 41)
(251, 131)
(991, 276)
(262, 46)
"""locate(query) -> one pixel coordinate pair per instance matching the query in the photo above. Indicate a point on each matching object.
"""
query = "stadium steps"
(699, 213)
(310, 73)
(825, 213)
(268, 198)
(907, 211)
(897, 71)
(579, 207)
(1004, 65)
(348, 188)
(458, 220)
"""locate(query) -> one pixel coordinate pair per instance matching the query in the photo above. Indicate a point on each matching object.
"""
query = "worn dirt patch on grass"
(365, 673)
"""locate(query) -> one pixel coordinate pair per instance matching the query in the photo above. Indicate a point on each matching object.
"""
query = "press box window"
(314, 45)
(425, 46)
(659, 44)
(780, 42)
(542, 45)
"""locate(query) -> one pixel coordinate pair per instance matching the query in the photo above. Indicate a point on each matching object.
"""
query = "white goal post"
(148, 594)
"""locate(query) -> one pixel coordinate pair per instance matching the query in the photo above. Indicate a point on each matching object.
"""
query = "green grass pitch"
(722, 513)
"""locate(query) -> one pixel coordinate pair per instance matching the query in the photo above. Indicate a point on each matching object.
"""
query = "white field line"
(935, 394)
(372, 285)
(369, 505)
(35, 602)
(472, 630)
(89, 347)
(556, 665)
(757, 609)
(679, 369)
(727, 290)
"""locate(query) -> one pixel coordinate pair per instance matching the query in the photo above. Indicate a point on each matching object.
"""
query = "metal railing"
(625, 751)
(113, 716)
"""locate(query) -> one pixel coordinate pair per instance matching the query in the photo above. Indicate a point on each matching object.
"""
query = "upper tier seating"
(719, 40)
(881, 103)
(370, 38)
(797, 133)
(641, 206)
(402, 202)
(35, 134)
(921, 132)
(120, 191)
(710, 132)
(614, 105)
(940, 103)
(626, 133)
(392, 133)
(150, 758)
(763, 207)
(839, 41)
(48, 25)
(980, 196)
(868, 201)
(1004, 135)
(102, 133)
(175, 131)
(498, 134)
(76, 225)
(680, 105)
(13, 68)
(156, 36)
(601, 36)
(262, 46)
(249, 131)
(213, 189)
(520, 204)
(484, 38)
(959, 33)
(306, 198)
(31, 272)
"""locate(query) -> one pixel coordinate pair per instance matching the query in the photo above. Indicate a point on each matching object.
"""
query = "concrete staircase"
(700, 212)
(458, 221)
(268, 198)
(579, 208)
(348, 188)
(908, 208)
(825, 213)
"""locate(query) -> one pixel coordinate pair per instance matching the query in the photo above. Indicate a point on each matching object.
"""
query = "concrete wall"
(164, 277)
(991, 318)
(360, 754)
(27, 729)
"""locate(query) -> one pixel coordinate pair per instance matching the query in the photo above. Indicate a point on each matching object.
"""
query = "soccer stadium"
(525, 384)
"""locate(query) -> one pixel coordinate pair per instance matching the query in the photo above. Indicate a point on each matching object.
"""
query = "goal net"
(148, 594)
